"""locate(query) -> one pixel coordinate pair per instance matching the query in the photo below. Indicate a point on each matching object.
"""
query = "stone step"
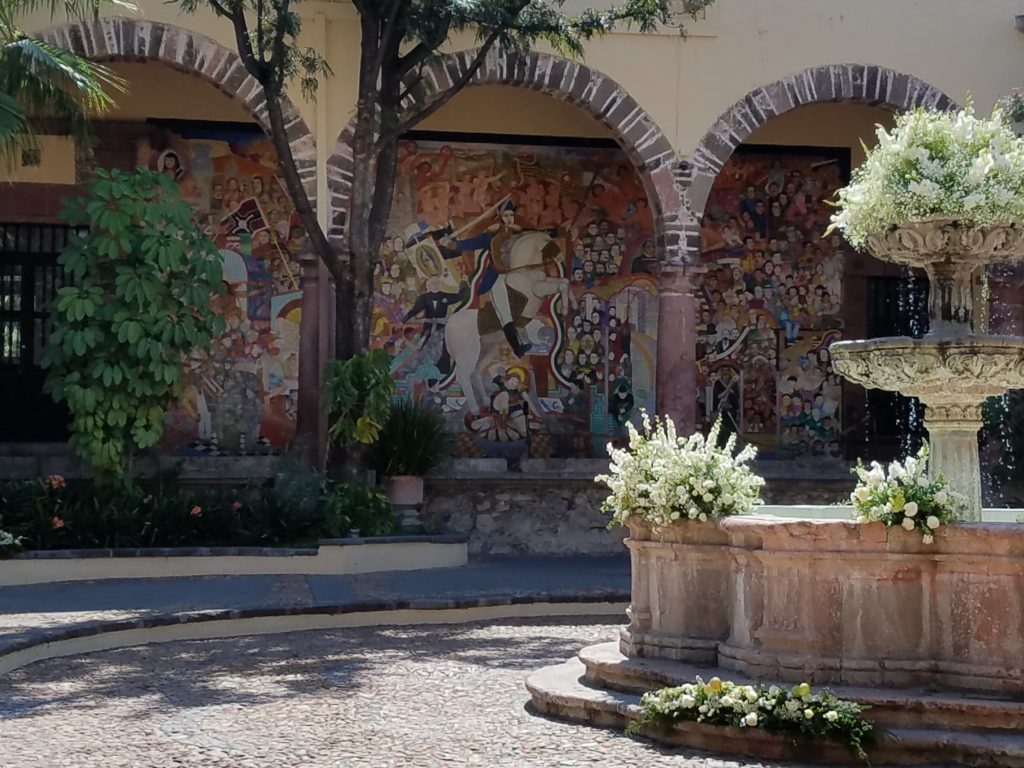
(607, 667)
(562, 692)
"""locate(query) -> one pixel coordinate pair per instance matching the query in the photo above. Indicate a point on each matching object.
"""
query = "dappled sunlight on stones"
(392, 696)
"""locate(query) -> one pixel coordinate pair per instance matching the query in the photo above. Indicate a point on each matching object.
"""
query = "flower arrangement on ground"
(797, 711)
(936, 164)
(662, 477)
(905, 496)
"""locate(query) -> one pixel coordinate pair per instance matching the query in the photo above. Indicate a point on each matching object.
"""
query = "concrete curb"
(86, 637)
(332, 557)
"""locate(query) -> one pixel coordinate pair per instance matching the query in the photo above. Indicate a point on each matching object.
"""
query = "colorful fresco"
(514, 293)
(770, 301)
(241, 397)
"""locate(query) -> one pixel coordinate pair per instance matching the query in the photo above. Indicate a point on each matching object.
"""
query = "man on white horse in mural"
(492, 281)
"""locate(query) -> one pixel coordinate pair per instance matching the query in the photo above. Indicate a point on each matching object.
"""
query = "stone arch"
(123, 39)
(862, 83)
(636, 132)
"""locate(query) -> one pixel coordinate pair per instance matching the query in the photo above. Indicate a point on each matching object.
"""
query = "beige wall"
(826, 125)
(504, 109)
(685, 83)
(155, 90)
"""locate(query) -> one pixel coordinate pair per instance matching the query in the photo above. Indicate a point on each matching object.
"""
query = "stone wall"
(553, 507)
(523, 515)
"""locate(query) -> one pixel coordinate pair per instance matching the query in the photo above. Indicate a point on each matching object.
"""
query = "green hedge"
(295, 509)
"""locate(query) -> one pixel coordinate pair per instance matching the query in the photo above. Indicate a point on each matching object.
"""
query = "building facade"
(571, 241)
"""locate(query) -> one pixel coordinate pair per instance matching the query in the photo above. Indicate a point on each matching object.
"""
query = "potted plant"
(412, 441)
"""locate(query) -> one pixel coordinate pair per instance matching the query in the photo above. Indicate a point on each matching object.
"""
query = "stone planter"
(680, 592)
(834, 602)
(405, 490)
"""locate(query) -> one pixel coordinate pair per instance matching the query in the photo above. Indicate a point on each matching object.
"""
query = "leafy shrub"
(142, 282)
(296, 509)
(413, 441)
(367, 509)
(359, 392)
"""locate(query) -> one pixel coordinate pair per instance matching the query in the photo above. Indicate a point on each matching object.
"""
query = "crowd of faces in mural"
(240, 397)
(514, 294)
(769, 302)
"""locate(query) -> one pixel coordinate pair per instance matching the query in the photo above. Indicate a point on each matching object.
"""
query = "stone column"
(676, 377)
(307, 432)
(953, 444)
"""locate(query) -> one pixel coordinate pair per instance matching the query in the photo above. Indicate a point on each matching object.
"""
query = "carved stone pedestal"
(953, 440)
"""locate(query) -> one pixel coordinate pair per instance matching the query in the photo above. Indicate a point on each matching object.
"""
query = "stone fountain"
(955, 368)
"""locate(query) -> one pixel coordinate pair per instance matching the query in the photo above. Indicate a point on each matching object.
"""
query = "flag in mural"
(240, 397)
(770, 301)
(514, 293)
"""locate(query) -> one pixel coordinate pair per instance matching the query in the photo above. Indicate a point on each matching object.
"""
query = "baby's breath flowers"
(662, 477)
(932, 164)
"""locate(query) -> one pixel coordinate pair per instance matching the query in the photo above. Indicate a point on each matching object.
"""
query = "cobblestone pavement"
(386, 697)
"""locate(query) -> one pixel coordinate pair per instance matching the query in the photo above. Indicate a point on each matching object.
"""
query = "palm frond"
(39, 80)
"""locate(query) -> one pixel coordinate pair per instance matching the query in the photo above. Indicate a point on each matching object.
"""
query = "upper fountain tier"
(952, 256)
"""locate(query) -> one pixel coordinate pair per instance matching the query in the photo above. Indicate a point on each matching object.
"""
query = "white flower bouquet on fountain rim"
(905, 496)
(933, 164)
(662, 477)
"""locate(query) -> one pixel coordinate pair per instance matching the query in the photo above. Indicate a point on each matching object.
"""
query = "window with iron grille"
(29, 280)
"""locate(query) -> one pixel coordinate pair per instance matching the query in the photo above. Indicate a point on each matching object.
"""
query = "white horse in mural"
(474, 336)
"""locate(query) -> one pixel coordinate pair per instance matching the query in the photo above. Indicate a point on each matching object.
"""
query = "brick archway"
(606, 101)
(122, 39)
(861, 83)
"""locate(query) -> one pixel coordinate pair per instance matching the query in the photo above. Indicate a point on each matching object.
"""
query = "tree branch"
(417, 117)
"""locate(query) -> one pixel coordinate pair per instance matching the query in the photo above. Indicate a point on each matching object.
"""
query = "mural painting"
(514, 293)
(240, 398)
(770, 301)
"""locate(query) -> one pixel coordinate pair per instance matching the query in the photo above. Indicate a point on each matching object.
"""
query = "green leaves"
(144, 280)
(359, 392)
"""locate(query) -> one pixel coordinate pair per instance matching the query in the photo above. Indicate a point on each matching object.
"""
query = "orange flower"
(56, 522)
(197, 511)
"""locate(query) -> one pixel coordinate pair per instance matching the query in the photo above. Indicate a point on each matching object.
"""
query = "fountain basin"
(834, 602)
(955, 371)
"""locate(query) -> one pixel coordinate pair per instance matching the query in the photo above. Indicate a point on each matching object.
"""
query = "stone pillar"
(676, 377)
(953, 445)
(308, 434)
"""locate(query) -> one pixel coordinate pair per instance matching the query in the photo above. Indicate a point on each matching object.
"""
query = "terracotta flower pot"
(405, 490)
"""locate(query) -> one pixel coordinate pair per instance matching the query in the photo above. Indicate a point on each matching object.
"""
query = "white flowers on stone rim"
(662, 477)
(905, 496)
(936, 164)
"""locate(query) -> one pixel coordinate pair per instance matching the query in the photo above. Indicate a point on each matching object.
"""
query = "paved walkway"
(29, 613)
(383, 697)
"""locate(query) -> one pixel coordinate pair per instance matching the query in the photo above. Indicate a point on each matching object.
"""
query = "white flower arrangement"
(662, 477)
(935, 164)
(797, 710)
(905, 496)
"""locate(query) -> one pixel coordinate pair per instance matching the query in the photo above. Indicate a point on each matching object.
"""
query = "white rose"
(932, 522)
(688, 702)
(910, 509)
(750, 719)
(862, 493)
(708, 498)
(927, 539)
(831, 715)
(908, 523)
(862, 519)
(808, 714)
(702, 517)
(727, 701)
(941, 497)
